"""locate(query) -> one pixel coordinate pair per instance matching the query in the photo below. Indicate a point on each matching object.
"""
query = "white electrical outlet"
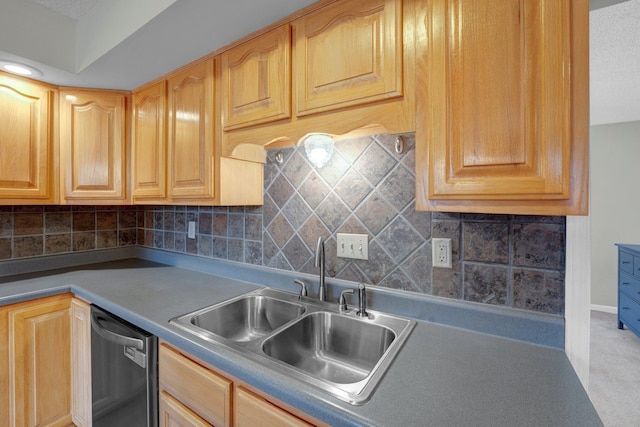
(191, 232)
(441, 252)
(354, 246)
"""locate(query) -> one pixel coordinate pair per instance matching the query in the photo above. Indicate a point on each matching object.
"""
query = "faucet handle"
(303, 288)
(362, 301)
(342, 301)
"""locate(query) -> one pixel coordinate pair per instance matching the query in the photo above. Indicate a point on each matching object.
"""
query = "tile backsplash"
(508, 260)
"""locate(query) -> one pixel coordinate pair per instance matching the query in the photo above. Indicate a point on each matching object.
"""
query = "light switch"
(354, 246)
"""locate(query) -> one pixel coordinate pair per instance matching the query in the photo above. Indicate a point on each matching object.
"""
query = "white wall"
(615, 203)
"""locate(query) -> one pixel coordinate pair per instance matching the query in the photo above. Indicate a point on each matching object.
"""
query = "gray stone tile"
(280, 230)
(32, 223)
(539, 219)
(297, 169)
(181, 242)
(538, 290)
(158, 219)
(59, 222)
(375, 213)
(107, 239)
(296, 252)
(353, 226)
(314, 190)
(6, 224)
(353, 188)
(418, 268)
(445, 215)
(379, 264)
(158, 239)
(399, 187)
(219, 247)
(269, 248)
(180, 222)
(333, 171)
(235, 226)
(270, 210)
(351, 149)
(192, 245)
(421, 221)
(375, 163)
(333, 264)
(311, 230)
(296, 211)
(220, 224)
(399, 239)
(128, 237)
(451, 230)
(485, 283)
(280, 190)
(169, 221)
(253, 252)
(57, 243)
(205, 223)
(353, 274)
(28, 246)
(486, 242)
(205, 245)
(388, 142)
(279, 261)
(397, 279)
(5, 248)
(447, 282)
(82, 241)
(169, 241)
(253, 227)
(539, 245)
(236, 250)
(332, 212)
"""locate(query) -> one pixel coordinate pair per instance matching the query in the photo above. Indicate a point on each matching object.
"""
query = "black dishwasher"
(124, 373)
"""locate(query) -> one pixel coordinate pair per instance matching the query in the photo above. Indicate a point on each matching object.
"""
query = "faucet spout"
(322, 290)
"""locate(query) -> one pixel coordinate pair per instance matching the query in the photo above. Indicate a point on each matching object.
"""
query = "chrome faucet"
(362, 301)
(322, 290)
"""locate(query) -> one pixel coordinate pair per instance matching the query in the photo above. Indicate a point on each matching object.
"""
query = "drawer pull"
(626, 262)
(626, 283)
(625, 308)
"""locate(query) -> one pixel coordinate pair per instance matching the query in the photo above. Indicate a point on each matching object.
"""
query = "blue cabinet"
(629, 287)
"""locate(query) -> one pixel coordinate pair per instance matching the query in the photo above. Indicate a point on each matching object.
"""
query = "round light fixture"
(319, 148)
(20, 69)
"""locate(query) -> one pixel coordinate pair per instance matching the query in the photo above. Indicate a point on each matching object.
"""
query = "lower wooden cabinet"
(36, 363)
(195, 394)
(81, 363)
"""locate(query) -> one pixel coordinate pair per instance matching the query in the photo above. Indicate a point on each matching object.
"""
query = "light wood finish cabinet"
(252, 410)
(175, 414)
(28, 173)
(503, 106)
(93, 137)
(348, 54)
(198, 388)
(81, 363)
(36, 371)
(191, 132)
(256, 80)
(149, 143)
(352, 75)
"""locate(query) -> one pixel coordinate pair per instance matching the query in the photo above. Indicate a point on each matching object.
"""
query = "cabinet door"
(149, 143)
(498, 110)
(349, 53)
(39, 347)
(191, 130)
(252, 410)
(256, 80)
(26, 142)
(174, 414)
(80, 363)
(92, 146)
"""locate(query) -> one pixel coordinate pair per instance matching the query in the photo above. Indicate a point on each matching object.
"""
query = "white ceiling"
(121, 44)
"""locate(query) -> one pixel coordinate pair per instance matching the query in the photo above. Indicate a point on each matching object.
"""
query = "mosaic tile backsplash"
(508, 260)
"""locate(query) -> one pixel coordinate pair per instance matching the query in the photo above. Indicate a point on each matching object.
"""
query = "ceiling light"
(319, 148)
(20, 69)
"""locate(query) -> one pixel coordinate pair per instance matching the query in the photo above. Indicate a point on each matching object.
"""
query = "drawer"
(636, 266)
(629, 312)
(198, 388)
(253, 410)
(625, 262)
(629, 285)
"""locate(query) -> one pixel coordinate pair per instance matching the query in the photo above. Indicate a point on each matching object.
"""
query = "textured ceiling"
(74, 9)
(615, 63)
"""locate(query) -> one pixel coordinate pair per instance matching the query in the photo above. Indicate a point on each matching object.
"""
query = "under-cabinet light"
(319, 148)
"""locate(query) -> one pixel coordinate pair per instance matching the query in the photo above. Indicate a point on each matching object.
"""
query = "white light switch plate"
(354, 246)
(191, 232)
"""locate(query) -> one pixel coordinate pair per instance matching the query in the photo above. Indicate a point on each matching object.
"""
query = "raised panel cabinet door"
(256, 80)
(174, 414)
(80, 363)
(498, 107)
(191, 131)
(349, 53)
(149, 142)
(39, 355)
(92, 145)
(252, 410)
(26, 141)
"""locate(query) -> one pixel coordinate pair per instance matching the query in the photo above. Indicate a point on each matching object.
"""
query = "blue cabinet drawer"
(629, 312)
(629, 285)
(636, 266)
(625, 262)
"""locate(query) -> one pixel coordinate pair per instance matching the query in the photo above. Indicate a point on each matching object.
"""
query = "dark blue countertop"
(445, 375)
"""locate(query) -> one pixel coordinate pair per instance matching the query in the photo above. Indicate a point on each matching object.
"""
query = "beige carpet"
(614, 378)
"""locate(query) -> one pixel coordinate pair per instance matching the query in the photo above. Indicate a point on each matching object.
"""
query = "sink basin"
(243, 319)
(306, 340)
(330, 346)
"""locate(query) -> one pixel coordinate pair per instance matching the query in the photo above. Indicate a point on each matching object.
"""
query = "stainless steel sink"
(330, 346)
(246, 318)
(308, 340)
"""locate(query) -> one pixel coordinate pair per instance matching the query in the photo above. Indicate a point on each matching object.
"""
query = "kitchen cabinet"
(93, 138)
(27, 142)
(191, 133)
(502, 110)
(256, 80)
(252, 410)
(352, 75)
(81, 363)
(149, 143)
(193, 393)
(346, 54)
(35, 355)
(629, 287)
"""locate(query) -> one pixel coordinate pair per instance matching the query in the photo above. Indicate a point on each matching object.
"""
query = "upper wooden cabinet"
(503, 107)
(149, 143)
(93, 136)
(256, 80)
(27, 143)
(346, 54)
(191, 132)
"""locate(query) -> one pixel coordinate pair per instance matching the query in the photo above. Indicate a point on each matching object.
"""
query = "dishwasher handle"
(102, 330)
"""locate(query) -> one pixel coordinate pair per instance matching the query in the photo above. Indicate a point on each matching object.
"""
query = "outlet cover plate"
(355, 246)
(441, 252)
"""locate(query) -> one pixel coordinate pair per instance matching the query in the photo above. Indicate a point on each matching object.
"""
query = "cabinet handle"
(625, 308)
(626, 283)
(626, 262)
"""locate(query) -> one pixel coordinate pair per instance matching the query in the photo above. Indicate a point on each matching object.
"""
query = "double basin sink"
(309, 340)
